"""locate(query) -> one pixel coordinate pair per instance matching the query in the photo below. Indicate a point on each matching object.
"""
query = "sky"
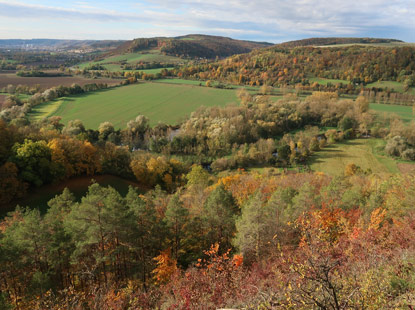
(260, 20)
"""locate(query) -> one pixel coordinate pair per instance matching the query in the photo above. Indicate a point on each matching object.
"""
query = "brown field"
(47, 82)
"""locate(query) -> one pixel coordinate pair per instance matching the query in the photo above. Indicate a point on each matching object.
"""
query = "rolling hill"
(168, 52)
(193, 45)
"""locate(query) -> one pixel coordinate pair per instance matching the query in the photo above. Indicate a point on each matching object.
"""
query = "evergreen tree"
(256, 229)
(144, 234)
(60, 245)
(96, 225)
(219, 218)
(176, 219)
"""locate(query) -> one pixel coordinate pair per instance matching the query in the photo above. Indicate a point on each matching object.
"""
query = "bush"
(409, 154)
(396, 146)
(349, 134)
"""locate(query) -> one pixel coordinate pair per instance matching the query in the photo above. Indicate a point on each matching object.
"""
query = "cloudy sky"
(261, 20)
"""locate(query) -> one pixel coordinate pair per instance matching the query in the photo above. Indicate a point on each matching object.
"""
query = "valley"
(204, 172)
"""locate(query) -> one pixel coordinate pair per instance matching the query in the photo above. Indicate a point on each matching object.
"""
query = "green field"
(404, 112)
(253, 89)
(113, 63)
(397, 86)
(181, 81)
(44, 110)
(326, 81)
(158, 101)
(364, 153)
(152, 71)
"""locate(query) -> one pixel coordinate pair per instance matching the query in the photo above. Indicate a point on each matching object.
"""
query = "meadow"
(396, 86)
(160, 102)
(364, 153)
(323, 81)
(404, 112)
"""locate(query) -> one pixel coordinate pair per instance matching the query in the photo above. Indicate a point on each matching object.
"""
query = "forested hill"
(193, 45)
(337, 41)
(279, 65)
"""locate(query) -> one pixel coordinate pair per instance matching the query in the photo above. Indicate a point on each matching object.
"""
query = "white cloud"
(273, 20)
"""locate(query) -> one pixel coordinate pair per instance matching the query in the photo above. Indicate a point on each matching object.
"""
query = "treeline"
(335, 41)
(48, 151)
(388, 97)
(146, 66)
(36, 73)
(245, 241)
(259, 132)
(278, 66)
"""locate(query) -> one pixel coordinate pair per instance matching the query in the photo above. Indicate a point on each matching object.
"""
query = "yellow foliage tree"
(166, 267)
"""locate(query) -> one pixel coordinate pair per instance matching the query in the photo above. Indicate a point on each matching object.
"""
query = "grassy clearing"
(326, 81)
(44, 110)
(159, 102)
(365, 153)
(397, 86)
(181, 81)
(112, 67)
(153, 71)
(404, 112)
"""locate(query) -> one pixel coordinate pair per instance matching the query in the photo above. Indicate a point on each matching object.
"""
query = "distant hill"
(336, 41)
(293, 64)
(55, 44)
(193, 45)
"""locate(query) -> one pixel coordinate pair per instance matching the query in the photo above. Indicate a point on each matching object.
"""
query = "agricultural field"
(364, 153)
(252, 89)
(406, 113)
(47, 82)
(113, 63)
(159, 102)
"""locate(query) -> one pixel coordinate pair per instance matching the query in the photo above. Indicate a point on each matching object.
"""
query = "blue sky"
(261, 20)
